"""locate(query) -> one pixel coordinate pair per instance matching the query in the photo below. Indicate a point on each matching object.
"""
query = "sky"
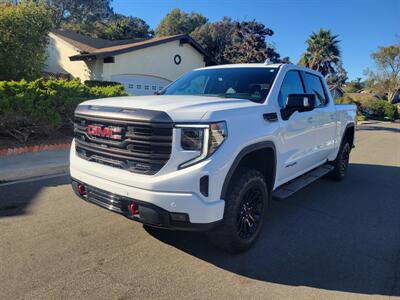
(362, 25)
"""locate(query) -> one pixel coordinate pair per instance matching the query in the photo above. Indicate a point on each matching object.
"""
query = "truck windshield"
(244, 83)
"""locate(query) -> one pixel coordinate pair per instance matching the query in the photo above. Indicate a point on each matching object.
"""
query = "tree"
(121, 27)
(82, 16)
(179, 22)
(215, 37)
(386, 76)
(232, 41)
(322, 52)
(24, 32)
(96, 18)
(248, 43)
(339, 77)
(286, 60)
(354, 86)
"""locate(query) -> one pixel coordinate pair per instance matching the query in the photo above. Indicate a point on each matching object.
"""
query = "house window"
(139, 86)
(130, 86)
(154, 88)
(160, 88)
(146, 87)
(109, 60)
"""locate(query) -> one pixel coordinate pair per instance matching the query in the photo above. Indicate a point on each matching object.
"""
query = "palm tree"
(322, 52)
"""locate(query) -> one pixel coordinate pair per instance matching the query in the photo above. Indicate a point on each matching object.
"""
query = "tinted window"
(314, 86)
(244, 83)
(290, 85)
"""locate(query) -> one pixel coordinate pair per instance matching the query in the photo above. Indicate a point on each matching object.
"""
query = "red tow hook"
(133, 209)
(81, 189)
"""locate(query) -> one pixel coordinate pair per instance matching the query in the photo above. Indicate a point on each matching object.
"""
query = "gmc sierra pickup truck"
(212, 149)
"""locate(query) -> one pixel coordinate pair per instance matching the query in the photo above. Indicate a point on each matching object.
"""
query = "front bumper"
(148, 214)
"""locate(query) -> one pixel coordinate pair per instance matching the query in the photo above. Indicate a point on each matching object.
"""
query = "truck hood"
(181, 108)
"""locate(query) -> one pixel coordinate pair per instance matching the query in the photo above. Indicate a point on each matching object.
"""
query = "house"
(143, 66)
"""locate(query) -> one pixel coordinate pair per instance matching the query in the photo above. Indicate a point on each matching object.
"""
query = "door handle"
(270, 117)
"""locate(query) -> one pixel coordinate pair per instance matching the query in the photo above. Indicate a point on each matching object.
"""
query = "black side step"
(297, 184)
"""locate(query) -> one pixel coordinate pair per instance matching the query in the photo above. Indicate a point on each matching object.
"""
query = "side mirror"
(301, 102)
(298, 102)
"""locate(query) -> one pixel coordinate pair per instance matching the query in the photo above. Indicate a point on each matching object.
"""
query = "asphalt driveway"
(331, 240)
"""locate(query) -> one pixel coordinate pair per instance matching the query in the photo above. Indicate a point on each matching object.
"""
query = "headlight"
(205, 138)
(218, 134)
(192, 138)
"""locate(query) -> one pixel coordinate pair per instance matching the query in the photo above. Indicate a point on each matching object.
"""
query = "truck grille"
(139, 147)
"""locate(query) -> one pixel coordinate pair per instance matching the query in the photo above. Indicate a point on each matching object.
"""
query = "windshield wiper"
(238, 97)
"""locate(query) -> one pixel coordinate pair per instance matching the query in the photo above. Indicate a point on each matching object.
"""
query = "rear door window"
(314, 86)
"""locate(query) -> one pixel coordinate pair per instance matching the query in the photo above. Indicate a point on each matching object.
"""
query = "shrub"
(348, 100)
(107, 91)
(43, 106)
(93, 83)
(371, 107)
(380, 109)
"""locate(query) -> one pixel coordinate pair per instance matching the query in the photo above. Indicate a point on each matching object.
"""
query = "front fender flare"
(248, 149)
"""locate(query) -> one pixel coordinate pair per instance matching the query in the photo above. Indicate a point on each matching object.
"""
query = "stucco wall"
(58, 53)
(156, 61)
(153, 61)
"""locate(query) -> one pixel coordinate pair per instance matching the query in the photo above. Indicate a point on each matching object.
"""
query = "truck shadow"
(22, 198)
(369, 127)
(336, 236)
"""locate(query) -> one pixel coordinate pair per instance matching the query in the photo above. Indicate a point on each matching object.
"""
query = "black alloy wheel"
(250, 212)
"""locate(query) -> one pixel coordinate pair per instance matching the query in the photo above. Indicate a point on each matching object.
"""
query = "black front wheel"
(245, 207)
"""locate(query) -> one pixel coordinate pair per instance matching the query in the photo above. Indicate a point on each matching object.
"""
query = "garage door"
(141, 84)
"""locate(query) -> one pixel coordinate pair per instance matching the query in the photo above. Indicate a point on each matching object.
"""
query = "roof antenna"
(267, 62)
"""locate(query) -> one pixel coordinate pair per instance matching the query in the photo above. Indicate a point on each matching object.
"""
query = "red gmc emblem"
(104, 132)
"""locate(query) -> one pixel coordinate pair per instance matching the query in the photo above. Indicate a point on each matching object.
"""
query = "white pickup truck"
(212, 149)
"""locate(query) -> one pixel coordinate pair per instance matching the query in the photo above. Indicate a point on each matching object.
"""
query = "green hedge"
(371, 107)
(43, 106)
(380, 109)
(95, 83)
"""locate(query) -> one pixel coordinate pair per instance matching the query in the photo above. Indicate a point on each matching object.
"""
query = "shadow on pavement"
(378, 128)
(336, 236)
(21, 198)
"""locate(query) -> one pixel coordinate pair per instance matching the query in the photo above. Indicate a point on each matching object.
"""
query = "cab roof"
(251, 65)
(283, 66)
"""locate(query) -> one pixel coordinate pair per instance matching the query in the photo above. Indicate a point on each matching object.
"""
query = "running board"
(297, 184)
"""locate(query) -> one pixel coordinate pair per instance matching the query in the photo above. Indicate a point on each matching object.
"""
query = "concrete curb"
(36, 148)
(37, 172)
(35, 164)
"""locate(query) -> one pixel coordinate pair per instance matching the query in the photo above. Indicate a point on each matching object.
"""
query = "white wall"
(156, 61)
(58, 53)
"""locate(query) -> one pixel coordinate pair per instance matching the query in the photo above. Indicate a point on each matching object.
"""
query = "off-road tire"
(341, 162)
(228, 236)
